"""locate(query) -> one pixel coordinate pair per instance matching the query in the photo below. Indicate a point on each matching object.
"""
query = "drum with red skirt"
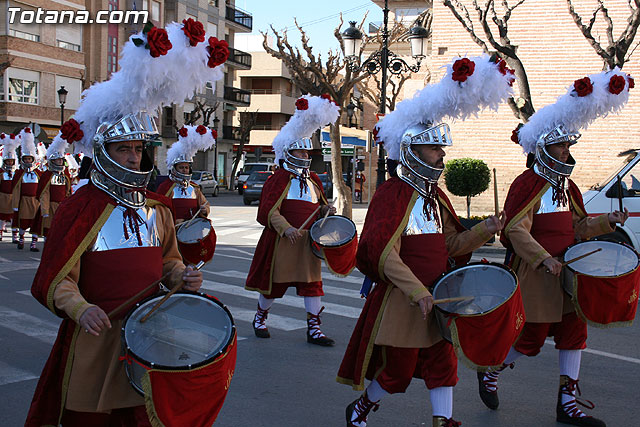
(335, 240)
(604, 286)
(484, 326)
(196, 240)
(182, 358)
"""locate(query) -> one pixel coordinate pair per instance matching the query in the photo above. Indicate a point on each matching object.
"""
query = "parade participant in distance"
(283, 257)
(545, 215)
(410, 233)
(25, 186)
(9, 145)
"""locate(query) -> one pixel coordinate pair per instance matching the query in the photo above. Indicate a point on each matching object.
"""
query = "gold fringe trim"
(67, 372)
(396, 235)
(463, 357)
(524, 211)
(576, 305)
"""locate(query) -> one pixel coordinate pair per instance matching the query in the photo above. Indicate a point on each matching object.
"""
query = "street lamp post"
(216, 120)
(350, 109)
(383, 60)
(62, 98)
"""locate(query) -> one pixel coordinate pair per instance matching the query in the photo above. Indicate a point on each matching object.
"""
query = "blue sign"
(349, 140)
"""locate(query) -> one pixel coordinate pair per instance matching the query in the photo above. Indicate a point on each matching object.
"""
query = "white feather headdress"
(191, 139)
(28, 143)
(148, 79)
(312, 113)
(587, 99)
(57, 148)
(10, 144)
(469, 86)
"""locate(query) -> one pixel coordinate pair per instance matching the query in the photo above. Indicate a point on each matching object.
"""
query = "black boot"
(568, 413)
(34, 241)
(488, 386)
(445, 422)
(259, 323)
(14, 235)
(21, 242)
(314, 334)
(361, 406)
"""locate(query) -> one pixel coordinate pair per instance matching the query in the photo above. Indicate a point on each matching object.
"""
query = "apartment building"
(36, 60)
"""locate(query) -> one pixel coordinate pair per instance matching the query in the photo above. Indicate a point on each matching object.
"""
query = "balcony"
(237, 96)
(233, 133)
(239, 58)
(240, 17)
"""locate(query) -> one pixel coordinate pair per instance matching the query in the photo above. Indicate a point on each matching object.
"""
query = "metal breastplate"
(308, 195)
(418, 221)
(30, 178)
(180, 192)
(58, 179)
(547, 205)
(111, 235)
(6, 176)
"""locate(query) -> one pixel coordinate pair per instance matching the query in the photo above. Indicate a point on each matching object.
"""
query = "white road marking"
(274, 321)
(227, 223)
(28, 325)
(254, 236)
(10, 374)
(231, 230)
(229, 248)
(602, 353)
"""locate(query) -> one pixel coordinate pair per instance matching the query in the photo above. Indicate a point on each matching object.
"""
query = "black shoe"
(261, 333)
(489, 398)
(20, 245)
(569, 387)
(349, 413)
(563, 417)
(261, 318)
(34, 249)
(322, 340)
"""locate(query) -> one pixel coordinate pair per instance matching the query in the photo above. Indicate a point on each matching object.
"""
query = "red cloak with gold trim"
(384, 224)
(273, 193)
(43, 183)
(77, 222)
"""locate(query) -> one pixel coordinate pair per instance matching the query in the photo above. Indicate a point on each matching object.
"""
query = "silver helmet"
(299, 144)
(550, 168)
(182, 179)
(125, 185)
(423, 134)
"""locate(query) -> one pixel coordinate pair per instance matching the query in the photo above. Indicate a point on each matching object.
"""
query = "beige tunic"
(402, 324)
(5, 198)
(542, 294)
(98, 382)
(295, 262)
(27, 206)
(47, 207)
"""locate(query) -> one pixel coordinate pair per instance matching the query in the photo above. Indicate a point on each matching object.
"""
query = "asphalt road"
(283, 381)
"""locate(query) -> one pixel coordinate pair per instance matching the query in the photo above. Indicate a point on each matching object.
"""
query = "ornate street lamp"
(383, 60)
(350, 109)
(62, 98)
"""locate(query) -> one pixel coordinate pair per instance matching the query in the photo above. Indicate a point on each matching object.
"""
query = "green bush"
(466, 178)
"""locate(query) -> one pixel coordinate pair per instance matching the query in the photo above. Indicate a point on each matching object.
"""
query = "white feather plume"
(9, 146)
(486, 87)
(57, 146)
(187, 147)
(575, 112)
(304, 123)
(27, 144)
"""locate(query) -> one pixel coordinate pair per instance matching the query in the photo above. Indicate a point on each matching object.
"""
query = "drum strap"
(129, 360)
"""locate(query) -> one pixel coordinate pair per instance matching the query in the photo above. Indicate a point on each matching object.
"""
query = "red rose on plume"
(193, 30)
(616, 84)
(12, 136)
(327, 97)
(632, 82)
(583, 86)
(218, 52)
(514, 135)
(27, 130)
(71, 132)
(214, 133)
(183, 132)
(462, 69)
(201, 129)
(3, 136)
(158, 41)
(302, 104)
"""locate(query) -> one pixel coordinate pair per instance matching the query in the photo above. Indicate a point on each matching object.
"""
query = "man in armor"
(186, 197)
(283, 257)
(25, 186)
(112, 238)
(545, 215)
(9, 144)
(411, 235)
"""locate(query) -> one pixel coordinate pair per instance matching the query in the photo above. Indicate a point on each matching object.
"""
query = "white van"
(606, 197)
(252, 167)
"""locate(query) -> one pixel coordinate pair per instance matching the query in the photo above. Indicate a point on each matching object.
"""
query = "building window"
(155, 10)
(168, 116)
(70, 46)
(2, 87)
(112, 55)
(23, 35)
(23, 91)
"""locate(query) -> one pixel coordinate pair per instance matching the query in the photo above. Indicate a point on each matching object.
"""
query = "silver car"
(208, 185)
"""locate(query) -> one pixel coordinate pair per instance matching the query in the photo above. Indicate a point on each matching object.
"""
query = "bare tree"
(202, 110)
(616, 53)
(247, 122)
(522, 106)
(315, 77)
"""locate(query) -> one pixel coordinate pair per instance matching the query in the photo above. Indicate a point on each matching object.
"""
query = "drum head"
(187, 330)
(336, 231)
(490, 284)
(614, 259)
(196, 230)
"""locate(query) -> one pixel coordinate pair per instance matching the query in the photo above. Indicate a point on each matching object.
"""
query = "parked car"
(208, 185)
(248, 169)
(327, 185)
(252, 188)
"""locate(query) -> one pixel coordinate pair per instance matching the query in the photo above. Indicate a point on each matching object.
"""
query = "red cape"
(273, 193)
(75, 225)
(43, 182)
(386, 218)
(525, 191)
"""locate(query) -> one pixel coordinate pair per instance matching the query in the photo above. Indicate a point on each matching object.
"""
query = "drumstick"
(166, 297)
(192, 218)
(453, 299)
(309, 219)
(580, 257)
(325, 217)
(137, 296)
(495, 196)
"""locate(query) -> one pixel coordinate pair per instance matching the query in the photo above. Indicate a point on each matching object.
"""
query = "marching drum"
(196, 240)
(335, 240)
(603, 286)
(186, 349)
(484, 328)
